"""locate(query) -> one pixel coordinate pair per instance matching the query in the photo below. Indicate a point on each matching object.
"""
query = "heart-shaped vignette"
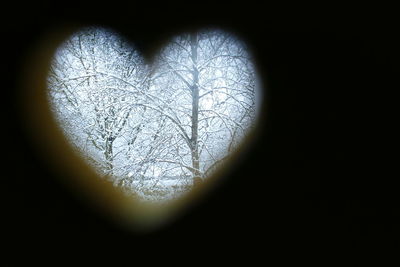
(51, 140)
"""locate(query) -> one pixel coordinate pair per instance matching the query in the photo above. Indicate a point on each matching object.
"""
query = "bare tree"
(211, 87)
(140, 125)
(91, 80)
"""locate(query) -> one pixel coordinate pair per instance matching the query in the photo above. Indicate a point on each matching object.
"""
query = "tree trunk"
(108, 153)
(195, 108)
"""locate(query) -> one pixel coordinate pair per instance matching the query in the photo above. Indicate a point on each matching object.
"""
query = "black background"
(311, 186)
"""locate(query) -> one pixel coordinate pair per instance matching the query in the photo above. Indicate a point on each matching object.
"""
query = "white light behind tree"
(154, 130)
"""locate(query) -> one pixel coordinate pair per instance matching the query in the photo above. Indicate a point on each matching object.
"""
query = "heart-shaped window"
(155, 129)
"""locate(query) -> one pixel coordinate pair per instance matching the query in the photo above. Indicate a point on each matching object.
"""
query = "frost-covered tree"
(211, 88)
(92, 79)
(143, 125)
